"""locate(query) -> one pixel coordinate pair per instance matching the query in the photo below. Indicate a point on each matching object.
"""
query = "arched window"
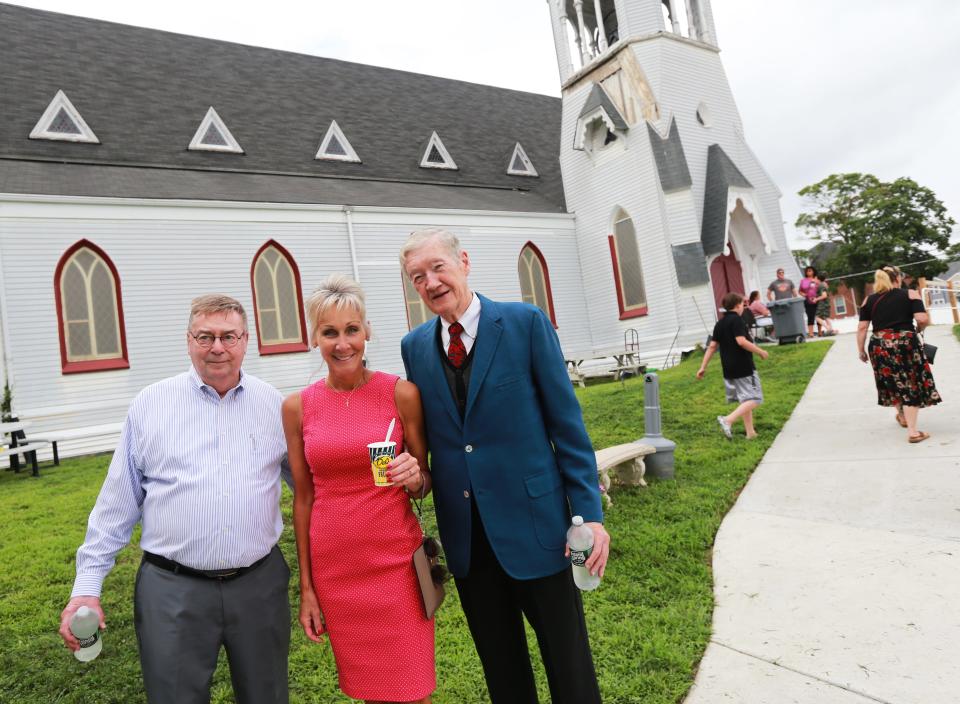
(89, 311)
(627, 272)
(535, 280)
(417, 311)
(277, 301)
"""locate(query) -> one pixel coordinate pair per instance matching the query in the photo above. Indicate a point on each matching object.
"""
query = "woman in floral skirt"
(900, 368)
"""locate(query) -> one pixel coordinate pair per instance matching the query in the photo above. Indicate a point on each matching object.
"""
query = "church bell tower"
(657, 171)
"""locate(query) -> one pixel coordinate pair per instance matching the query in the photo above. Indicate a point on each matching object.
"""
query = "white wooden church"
(140, 168)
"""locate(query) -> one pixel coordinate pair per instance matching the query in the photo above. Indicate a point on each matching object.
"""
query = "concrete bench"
(29, 452)
(626, 464)
(55, 436)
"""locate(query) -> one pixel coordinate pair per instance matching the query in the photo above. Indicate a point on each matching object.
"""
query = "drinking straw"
(393, 421)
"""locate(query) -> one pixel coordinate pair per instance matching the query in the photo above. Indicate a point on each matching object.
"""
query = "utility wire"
(899, 266)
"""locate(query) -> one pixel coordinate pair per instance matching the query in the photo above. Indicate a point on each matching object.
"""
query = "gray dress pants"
(181, 622)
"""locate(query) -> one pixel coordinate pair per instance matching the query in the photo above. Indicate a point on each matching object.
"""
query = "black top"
(891, 310)
(737, 362)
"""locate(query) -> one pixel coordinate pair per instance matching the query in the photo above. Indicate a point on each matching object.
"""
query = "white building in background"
(140, 168)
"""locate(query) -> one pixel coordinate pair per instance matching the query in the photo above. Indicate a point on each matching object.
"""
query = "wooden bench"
(91, 431)
(29, 452)
(626, 464)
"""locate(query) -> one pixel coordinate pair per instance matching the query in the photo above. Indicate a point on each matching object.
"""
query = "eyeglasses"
(228, 339)
(434, 552)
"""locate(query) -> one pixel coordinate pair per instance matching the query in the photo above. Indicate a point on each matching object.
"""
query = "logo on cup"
(381, 454)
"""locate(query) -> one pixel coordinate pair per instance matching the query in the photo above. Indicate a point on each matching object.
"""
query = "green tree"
(873, 223)
(6, 402)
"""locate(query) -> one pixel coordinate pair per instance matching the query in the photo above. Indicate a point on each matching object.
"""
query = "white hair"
(419, 238)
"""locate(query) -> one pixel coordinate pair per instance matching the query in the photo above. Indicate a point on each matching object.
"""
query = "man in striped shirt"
(198, 465)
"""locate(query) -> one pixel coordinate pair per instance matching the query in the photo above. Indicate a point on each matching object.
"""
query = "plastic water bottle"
(85, 626)
(580, 540)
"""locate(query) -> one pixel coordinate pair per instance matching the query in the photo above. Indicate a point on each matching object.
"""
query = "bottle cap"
(578, 520)
(83, 612)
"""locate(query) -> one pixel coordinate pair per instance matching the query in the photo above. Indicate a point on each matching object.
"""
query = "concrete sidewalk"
(837, 572)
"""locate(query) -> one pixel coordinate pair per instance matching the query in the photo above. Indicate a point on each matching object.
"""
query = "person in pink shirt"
(756, 305)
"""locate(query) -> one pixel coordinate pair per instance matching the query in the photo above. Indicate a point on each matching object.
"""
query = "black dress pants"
(495, 604)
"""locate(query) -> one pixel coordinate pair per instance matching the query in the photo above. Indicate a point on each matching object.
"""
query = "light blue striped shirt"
(201, 472)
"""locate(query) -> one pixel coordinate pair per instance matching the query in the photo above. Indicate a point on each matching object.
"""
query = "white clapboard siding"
(165, 257)
(595, 189)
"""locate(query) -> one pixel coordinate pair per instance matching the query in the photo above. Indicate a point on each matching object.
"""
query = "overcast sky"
(822, 86)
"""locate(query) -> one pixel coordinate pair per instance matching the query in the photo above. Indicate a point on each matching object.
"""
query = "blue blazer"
(521, 449)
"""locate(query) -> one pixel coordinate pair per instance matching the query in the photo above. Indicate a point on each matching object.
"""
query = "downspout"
(4, 327)
(348, 214)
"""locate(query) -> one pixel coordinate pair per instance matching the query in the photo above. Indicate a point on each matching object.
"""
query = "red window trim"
(91, 365)
(546, 278)
(624, 314)
(284, 347)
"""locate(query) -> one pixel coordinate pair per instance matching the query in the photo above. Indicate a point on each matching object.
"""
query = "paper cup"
(381, 453)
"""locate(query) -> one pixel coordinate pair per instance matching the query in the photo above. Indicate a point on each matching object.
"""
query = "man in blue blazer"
(511, 464)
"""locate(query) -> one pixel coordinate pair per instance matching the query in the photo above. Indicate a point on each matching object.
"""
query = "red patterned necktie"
(456, 352)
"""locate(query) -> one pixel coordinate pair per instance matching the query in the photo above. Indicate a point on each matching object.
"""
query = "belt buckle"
(227, 575)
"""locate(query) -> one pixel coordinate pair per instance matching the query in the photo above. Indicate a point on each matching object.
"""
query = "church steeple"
(585, 31)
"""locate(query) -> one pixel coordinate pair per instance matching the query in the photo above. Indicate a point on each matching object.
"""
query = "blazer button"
(466, 494)
(468, 448)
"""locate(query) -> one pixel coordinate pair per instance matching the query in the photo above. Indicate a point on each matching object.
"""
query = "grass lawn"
(649, 621)
(956, 331)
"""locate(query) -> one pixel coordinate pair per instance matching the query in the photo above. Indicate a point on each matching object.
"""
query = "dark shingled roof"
(691, 264)
(26, 177)
(598, 98)
(671, 161)
(144, 93)
(722, 173)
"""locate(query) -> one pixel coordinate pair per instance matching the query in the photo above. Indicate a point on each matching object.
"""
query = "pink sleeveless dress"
(362, 539)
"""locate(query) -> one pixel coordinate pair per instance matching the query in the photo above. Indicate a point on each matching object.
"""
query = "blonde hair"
(419, 238)
(883, 279)
(212, 303)
(337, 291)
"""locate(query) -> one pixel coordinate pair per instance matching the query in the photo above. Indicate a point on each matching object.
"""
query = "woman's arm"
(922, 318)
(862, 339)
(410, 468)
(310, 616)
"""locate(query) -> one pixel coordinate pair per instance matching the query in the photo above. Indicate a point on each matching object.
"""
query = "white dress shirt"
(470, 320)
(202, 474)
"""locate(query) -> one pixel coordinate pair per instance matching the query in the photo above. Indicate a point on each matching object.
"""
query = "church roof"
(670, 158)
(722, 173)
(598, 98)
(145, 92)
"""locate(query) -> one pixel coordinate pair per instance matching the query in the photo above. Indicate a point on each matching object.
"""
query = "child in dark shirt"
(740, 376)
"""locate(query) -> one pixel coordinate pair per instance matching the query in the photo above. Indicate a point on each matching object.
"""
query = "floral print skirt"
(901, 370)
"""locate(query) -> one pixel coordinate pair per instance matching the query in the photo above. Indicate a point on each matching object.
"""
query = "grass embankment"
(649, 621)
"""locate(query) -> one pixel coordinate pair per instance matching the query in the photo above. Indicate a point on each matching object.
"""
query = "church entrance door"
(726, 274)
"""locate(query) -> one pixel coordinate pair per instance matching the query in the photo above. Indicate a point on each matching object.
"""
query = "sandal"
(920, 437)
(901, 420)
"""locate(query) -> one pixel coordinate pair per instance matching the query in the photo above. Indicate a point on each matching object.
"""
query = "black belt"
(221, 575)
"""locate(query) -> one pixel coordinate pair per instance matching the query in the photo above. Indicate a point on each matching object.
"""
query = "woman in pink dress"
(355, 540)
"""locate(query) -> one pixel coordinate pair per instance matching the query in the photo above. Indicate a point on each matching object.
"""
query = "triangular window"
(335, 146)
(62, 121)
(436, 156)
(520, 164)
(213, 136)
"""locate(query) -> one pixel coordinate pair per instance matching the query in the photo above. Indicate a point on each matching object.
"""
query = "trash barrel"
(789, 320)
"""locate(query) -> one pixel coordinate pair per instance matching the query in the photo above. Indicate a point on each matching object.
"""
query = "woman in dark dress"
(901, 370)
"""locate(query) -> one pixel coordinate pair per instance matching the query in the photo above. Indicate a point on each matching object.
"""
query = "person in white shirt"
(198, 465)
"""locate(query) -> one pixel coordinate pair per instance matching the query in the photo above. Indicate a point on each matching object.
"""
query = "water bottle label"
(578, 557)
(87, 642)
